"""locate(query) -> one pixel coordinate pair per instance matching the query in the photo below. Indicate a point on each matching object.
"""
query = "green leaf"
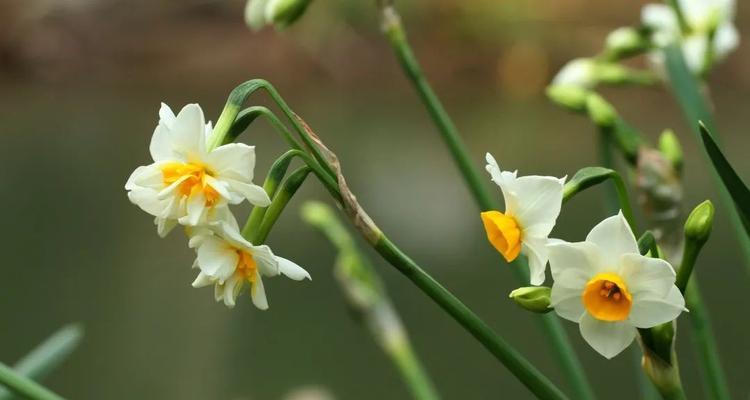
(732, 182)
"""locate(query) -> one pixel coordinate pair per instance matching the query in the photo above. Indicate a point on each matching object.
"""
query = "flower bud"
(280, 13)
(625, 41)
(579, 72)
(570, 97)
(600, 111)
(670, 147)
(699, 223)
(533, 298)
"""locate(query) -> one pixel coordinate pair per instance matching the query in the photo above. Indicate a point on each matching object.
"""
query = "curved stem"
(249, 115)
(279, 202)
(23, 386)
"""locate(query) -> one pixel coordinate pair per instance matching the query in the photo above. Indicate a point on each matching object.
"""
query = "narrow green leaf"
(732, 182)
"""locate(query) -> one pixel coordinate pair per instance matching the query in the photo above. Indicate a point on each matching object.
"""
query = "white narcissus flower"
(188, 183)
(228, 261)
(532, 205)
(607, 287)
(711, 30)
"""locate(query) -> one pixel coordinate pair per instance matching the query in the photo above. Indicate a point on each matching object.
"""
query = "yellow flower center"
(503, 232)
(194, 184)
(246, 266)
(606, 297)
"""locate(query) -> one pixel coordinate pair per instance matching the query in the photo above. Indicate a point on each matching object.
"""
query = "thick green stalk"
(714, 381)
(690, 97)
(24, 386)
(534, 380)
(537, 383)
(396, 35)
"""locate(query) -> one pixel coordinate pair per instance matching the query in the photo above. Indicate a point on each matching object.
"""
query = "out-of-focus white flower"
(227, 261)
(281, 13)
(188, 183)
(580, 72)
(532, 205)
(607, 287)
(711, 35)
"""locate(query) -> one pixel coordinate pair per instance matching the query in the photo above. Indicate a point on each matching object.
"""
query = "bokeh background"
(80, 86)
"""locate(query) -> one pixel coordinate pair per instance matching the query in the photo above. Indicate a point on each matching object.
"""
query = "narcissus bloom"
(188, 183)
(532, 205)
(711, 34)
(228, 261)
(607, 287)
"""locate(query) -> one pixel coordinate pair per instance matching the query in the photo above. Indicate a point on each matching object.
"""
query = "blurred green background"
(81, 82)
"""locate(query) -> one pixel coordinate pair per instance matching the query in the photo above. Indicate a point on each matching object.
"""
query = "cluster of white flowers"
(708, 36)
(603, 283)
(193, 185)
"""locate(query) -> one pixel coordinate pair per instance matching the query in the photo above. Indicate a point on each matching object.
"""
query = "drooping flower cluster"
(193, 185)
(603, 283)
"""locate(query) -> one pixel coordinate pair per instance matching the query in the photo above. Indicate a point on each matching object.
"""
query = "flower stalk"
(24, 386)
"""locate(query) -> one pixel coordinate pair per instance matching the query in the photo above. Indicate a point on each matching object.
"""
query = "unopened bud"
(600, 111)
(570, 97)
(533, 298)
(699, 223)
(280, 13)
(625, 41)
(579, 72)
(670, 147)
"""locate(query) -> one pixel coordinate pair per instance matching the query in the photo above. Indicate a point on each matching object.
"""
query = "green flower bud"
(571, 97)
(600, 111)
(699, 223)
(625, 41)
(670, 147)
(533, 298)
(281, 13)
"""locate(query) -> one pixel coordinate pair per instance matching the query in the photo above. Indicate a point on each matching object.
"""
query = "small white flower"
(227, 261)
(607, 287)
(187, 183)
(532, 205)
(579, 72)
(711, 29)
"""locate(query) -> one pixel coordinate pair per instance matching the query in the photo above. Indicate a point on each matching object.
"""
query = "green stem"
(714, 381)
(232, 110)
(249, 115)
(537, 383)
(606, 157)
(279, 202)
(23, 386)
(396, 35)
(534, 380)
(684, 27)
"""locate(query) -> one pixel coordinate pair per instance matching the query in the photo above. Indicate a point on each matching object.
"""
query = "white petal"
(646, 275)
(166, 116)
(217, 259)
(231, 289)
(255, 194)
(258, 293)
(726, 40)
(164, 226)
(607, 338)
(292, 270)
(221, 187)
(255, 14)
(537, 253)
(196, 208)
(172, 188)
(574, 264)
(148, 200)
(187, 133)
(202, 280)
(649, 310)
(694, 50)
(578, 72)
(659, 17)
(614, 238)
(235, 161)
(268, 264)
(567, 302)
(504, 179)
(149, 176)
(539, 199)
